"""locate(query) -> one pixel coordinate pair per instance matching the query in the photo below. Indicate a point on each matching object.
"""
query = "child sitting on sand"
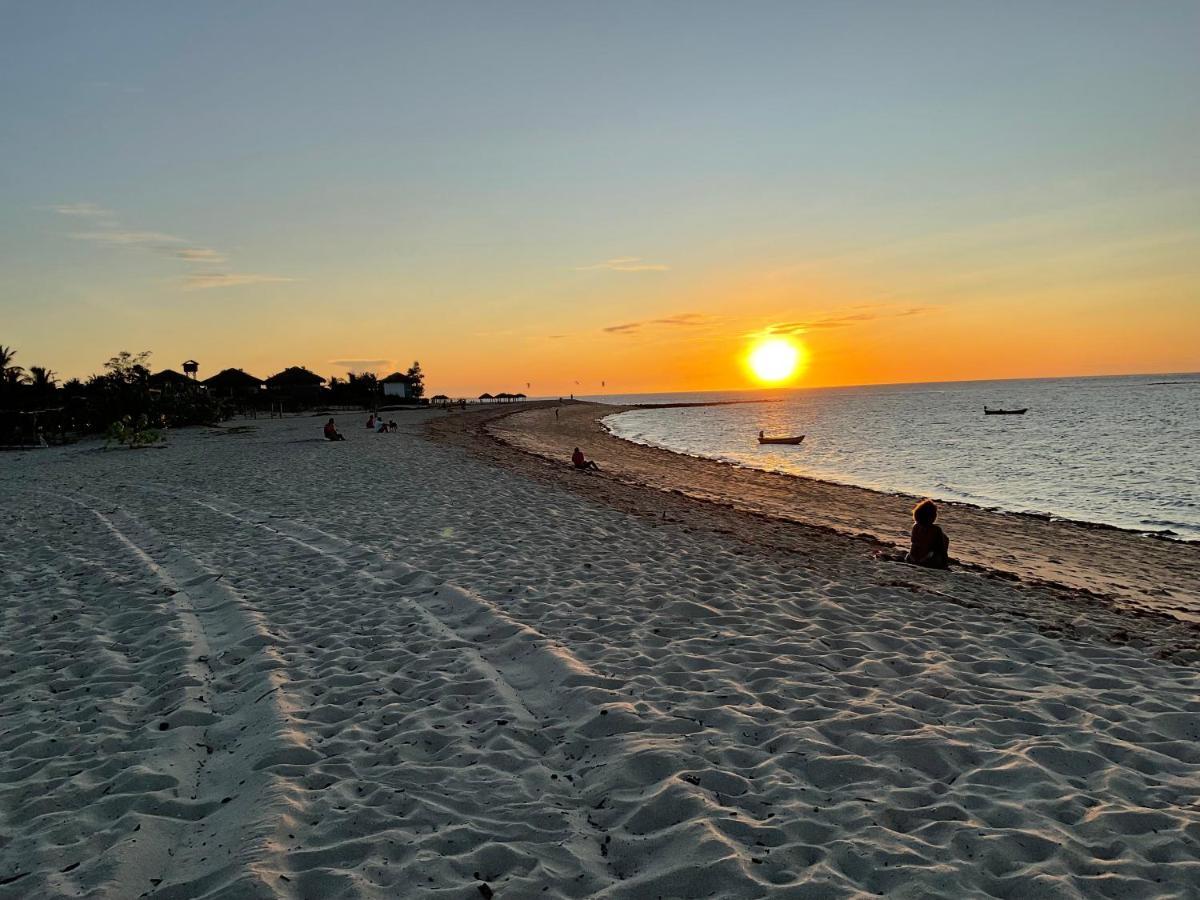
(930, 546)
(579, 461)
(331, 432)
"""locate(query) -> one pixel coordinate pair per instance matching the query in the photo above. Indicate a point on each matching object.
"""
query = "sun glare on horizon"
(774, 360)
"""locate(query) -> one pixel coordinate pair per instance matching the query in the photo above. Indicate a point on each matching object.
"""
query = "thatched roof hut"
(295, 377)
(233, 382)
(168, 378)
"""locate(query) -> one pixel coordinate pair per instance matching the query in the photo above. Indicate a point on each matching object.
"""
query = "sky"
(549, 197)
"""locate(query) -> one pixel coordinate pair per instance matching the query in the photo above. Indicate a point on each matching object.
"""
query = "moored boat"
(1005, 412)
(763, 439)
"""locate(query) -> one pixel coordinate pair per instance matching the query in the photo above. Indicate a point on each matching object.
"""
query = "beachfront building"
(168, 380)
(295, 386)
(234, 384)
(398, 386)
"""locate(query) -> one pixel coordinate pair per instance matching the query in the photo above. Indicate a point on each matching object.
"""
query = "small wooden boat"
(1005, 412)
(763, 439)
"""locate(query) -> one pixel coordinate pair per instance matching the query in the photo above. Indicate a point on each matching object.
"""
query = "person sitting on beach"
(371, 422)
(581, 462)
(381, 427)
(331, 432)
(930, 546)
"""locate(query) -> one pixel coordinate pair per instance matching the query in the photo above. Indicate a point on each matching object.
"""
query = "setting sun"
(775, 359)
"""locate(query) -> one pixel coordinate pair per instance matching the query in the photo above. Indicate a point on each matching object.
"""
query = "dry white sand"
(262, 665)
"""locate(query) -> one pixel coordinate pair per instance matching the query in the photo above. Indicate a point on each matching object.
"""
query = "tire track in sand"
(585, 714)
(232, 728)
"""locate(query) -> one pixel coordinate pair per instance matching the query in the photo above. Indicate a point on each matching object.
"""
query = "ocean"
(1116, 451)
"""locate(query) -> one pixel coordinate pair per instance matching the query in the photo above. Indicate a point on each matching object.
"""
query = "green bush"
(132, 432)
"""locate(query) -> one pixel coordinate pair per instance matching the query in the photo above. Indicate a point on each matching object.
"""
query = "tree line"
(123, 401)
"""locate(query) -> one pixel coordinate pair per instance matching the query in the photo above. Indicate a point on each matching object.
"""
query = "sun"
(775, 359)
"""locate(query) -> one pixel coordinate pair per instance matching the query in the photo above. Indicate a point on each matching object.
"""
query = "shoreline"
(1162, 535)
(1071, 564)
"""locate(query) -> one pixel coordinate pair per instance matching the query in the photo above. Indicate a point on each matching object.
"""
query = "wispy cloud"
(107, 231)
(150, 239)
(679, 319)
(846, 320)
(199, 281)
(361, 365)
(200, 254)
(624, 264)
(82, 210)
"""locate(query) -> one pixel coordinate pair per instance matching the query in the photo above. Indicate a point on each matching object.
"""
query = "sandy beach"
(439, 663)
(1125, 569)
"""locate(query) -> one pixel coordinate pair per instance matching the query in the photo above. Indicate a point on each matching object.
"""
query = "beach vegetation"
(416, 381)
(133, 432)
(122, 402)
(356, 389)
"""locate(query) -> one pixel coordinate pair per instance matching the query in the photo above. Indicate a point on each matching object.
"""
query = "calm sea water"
(1119, 451)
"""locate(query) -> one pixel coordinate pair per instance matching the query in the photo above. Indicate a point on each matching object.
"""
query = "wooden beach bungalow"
(295, 386)
(169, 381)
(234, 384)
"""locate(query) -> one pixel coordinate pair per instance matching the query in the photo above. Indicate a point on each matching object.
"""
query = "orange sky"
(560, 197)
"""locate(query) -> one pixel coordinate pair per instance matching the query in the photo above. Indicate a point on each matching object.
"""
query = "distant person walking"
(582, 463)
(930, 546)
(331, 432)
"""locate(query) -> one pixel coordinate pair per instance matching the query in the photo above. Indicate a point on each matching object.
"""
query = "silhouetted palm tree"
(10, 375)
(44, 380)
(15, 375)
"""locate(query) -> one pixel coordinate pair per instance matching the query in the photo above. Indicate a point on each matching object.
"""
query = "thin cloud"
(151, 239)
(200, 281)
(847, 320)
(686, 319)
(110, 233)
(200, 254)
(155, 242)
(82, 210)
(624, 264)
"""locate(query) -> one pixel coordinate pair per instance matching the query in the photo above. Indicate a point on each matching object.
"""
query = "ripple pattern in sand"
(494, 680)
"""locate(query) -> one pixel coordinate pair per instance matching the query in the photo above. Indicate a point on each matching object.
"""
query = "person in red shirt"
(581, 462)
(331, 432)
(930, 546)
